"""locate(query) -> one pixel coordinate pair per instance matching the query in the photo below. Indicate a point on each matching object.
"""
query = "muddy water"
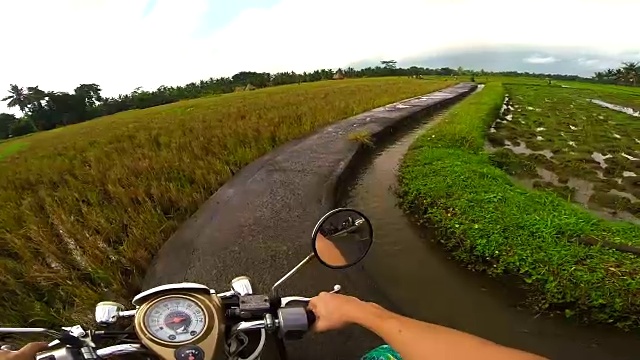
(626, 110)
(523, 149)
(415, 274)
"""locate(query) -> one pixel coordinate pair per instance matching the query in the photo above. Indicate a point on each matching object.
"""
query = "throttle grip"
(311, 318)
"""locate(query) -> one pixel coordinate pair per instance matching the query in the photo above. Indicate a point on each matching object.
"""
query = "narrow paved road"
(259, 224)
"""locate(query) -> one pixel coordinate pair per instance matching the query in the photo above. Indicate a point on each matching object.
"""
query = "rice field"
(83, 209)
(572, 141)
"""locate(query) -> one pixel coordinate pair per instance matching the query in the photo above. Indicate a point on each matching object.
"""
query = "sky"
(123, 44)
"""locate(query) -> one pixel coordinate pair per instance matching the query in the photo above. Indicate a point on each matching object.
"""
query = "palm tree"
(35, 96)
(631, 71)
(90, 93)
(610, 74)
(599, 75)
(17, 98)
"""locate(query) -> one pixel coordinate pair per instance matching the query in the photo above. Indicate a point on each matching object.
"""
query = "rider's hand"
(334, 311)
(28, 352)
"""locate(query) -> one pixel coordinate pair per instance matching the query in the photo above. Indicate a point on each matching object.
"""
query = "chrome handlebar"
(122, 349)
(66, 353)
(289, 320)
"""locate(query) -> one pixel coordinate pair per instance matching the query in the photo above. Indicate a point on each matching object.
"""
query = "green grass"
(491, 224)
(624, 95)
(575, 128)
(362, 137)
(8, 148)
(84, 209)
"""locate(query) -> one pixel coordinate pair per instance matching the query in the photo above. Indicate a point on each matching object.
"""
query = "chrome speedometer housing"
(182, 308)
(175, 320)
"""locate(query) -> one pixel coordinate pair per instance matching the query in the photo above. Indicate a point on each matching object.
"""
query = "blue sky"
(123, 44)
(218, 13)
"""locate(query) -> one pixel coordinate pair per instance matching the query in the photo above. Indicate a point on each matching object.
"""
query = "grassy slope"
(11, 147)
(490, 223)
(84, 208)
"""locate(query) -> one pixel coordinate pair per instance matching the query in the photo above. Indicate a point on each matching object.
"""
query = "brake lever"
(287, 299)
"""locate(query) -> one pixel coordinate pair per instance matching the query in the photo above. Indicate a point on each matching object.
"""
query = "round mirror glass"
(342, 238)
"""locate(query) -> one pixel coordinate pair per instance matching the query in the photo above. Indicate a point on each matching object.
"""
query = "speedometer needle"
(177, 320)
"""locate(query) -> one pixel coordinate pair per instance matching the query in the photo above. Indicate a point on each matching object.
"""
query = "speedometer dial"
(175, 320)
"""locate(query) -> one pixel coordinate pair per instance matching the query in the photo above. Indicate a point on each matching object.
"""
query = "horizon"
(121, 45)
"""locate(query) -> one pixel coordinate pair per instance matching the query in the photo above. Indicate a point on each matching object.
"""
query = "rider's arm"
(412, 339)
(328, 252)
(27, 352)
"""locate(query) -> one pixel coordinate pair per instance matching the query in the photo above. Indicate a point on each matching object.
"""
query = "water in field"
(624, 109)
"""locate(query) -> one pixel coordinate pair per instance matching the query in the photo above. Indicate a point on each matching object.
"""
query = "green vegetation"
(361, 136)
(491, 224)
(566, 122)
(628, 74)
(46, 110)
(11, 147)
(84, 208)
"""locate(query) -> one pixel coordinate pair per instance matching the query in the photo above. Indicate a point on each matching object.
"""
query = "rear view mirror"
(342, 238)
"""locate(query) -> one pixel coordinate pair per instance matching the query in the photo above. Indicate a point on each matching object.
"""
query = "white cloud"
(536, 59)
(109, 42)
(589, 62)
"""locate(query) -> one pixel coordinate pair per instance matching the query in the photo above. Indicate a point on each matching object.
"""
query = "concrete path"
(260, 222)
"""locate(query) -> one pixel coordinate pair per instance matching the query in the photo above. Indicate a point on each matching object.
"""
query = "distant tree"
(599, 75)
(35, 97)
(414, 71)
(389, 64)
(47, 110)
(60, 109)
(17, 97)
(90, 93)
(445, 71)
(631, 72)
(627, 74)
(245, 78)
(23, 126)
(6, 123)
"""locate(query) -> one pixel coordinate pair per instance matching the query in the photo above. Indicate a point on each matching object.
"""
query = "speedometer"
(175, 319)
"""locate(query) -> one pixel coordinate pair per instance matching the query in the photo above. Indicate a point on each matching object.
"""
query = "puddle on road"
(623, 109)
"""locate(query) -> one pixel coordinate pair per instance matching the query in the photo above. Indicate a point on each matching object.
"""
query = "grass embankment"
(493, 225)
(83, 209)
(9, 148)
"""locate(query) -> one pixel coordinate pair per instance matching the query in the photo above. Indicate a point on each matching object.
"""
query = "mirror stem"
(293, 271)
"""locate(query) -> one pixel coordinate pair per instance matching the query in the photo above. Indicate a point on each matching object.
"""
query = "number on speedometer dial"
(175, 320)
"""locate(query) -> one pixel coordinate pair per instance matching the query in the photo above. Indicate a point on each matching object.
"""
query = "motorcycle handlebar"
(67, 353)
(291, 322)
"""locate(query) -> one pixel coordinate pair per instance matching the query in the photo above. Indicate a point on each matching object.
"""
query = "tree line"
(627, 74)
(45, 110)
